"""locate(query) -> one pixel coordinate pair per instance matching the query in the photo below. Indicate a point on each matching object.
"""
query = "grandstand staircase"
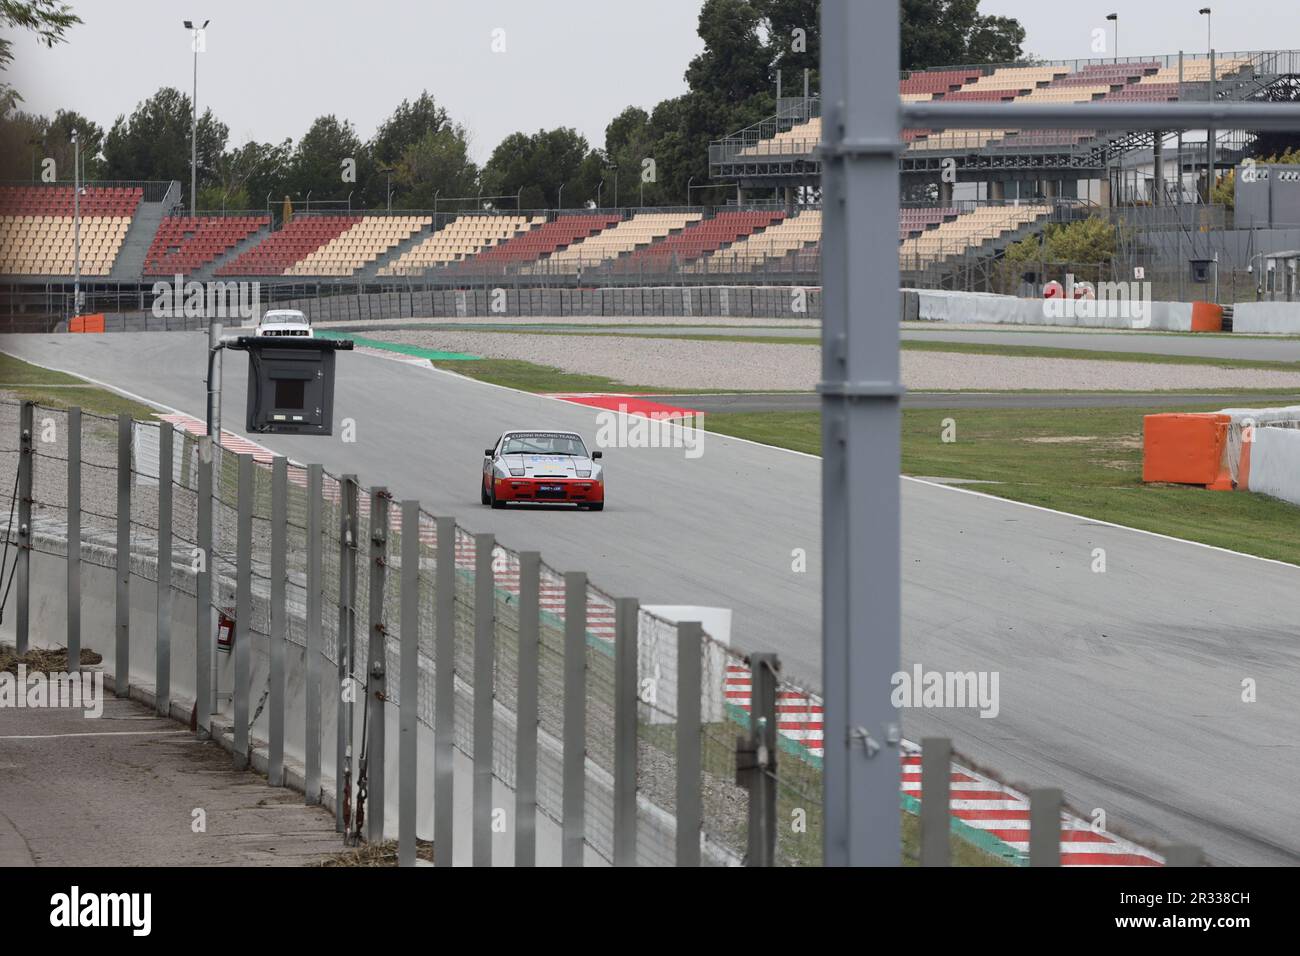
(129, 264)
(234, 252)
(935, 274)
(370, 272)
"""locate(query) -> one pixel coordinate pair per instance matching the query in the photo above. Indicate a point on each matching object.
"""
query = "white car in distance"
(284, 322)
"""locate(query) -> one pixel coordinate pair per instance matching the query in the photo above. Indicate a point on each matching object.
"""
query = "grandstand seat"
(459, 239)
(279, 251)
(185, 244)
(38, 235)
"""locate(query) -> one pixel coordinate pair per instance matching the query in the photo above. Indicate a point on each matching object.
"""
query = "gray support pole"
(279, 618)
(936, 783)
(243, 610)
(484, 665)
(26, 463)
(1179, 233)
(1158, 165)
(122, 650)
(444, 729)
(575, 718)
(526, 709)
(376, 667)
(626, 615)
(689, 679)
(1045, 827)
(204, 687)
(408, 702)
(762, 754)
(1210, 135)
(347, 621)
(163, 656)
(861, 394)
(74, 539)
(311, 788)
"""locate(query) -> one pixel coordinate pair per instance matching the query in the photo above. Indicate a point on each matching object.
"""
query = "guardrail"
(342, 640)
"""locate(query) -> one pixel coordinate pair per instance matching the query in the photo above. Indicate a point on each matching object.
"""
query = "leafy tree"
(406, 127)
(154, 142)
(22, 144)
(539, 164)
(793, 30)
(437, 164)
(26, 140)
(949, 32)
(243, 178)
(48, 19)
(317, 165)
(1082, 243)
(734, 63)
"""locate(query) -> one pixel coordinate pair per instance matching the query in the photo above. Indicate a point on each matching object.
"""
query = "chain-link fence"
(584, 728)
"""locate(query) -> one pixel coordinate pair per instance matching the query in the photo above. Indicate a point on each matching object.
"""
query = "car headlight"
(499, 472)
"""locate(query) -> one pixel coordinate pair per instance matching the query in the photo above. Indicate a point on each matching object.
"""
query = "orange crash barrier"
(1207, 317)
(87, 323)
(1186, 449)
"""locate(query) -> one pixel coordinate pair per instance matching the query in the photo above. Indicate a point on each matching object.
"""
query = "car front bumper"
(571, 490)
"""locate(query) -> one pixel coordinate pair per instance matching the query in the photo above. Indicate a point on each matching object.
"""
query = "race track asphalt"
(1124, 688)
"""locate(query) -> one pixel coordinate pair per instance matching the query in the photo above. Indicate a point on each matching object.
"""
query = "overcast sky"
(273, 66)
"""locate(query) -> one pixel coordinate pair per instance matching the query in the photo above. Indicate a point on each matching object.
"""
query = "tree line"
(420, 154)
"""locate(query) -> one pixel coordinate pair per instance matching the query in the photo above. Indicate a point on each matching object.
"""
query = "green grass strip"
(415, 351)
(1096, 355)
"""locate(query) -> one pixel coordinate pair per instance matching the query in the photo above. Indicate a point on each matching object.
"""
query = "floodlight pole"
(76, 224)
(195, 33)
(860, 398)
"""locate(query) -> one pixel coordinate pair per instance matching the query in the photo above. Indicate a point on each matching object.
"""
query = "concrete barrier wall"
(1266, 317)
(794, 302)
(1275, 463)
(939, 305)
(98, 601)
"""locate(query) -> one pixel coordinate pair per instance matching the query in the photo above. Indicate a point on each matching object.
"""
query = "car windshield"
(544, 443)
(286, 318)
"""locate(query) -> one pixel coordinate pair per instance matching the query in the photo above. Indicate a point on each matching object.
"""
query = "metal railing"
(350, 641)
(327, 614)
(154, 190)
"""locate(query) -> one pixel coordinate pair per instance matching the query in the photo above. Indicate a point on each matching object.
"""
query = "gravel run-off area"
(692, 364)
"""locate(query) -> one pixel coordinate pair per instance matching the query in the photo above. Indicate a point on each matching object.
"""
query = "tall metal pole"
(1211, 136)
(861, 395)
(76, 224)
(1180, 183)
(194, 127)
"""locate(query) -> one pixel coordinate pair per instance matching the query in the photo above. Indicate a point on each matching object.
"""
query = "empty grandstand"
(966, 195)
(546, 238)
(39, 234)
(623, 237)
(185, 244)
(694, 242)
(791, 234)
(281, 250)
(464, 236)
(359, 246)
